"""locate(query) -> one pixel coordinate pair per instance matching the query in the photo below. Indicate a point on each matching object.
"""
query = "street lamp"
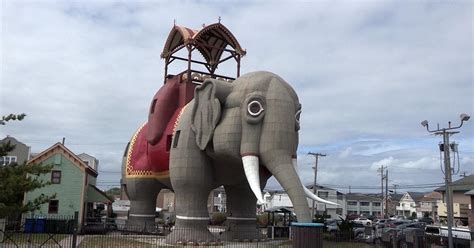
(447, 168)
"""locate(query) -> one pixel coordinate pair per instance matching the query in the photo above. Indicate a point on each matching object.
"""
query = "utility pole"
(381, 184)
(386, 193)
(447, 169)
(316, 155)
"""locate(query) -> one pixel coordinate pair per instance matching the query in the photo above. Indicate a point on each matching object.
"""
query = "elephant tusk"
(310, 194)
(251, 169)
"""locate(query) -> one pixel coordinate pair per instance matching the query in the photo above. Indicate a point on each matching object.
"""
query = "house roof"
(396, 197)
(210, 41)
(464, 184)
(96, 195)
(310, 186)
(416, 196)
(470, 192)
(8, 137)
(361, 197)
(60, 148)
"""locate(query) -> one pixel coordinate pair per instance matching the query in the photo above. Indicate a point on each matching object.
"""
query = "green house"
(73, 182)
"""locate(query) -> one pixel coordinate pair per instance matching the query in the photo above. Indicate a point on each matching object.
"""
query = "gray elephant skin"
(235, 135)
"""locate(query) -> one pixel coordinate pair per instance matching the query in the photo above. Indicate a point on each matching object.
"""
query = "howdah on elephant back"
(235, 135)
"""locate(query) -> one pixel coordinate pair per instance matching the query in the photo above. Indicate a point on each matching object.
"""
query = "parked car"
(396, 232)
(357, 228)
(397, 217)
(332, 226)
(396, 223)
(382, 222)
(364, 221)
(426, 220)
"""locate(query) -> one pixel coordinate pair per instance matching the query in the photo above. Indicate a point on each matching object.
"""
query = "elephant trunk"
(282, 168)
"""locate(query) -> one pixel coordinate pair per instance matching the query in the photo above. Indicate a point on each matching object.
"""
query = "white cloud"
(366, 74)
(384, 162)
(346, 153)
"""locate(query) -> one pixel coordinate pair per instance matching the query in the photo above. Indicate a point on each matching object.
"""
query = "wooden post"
(74, 232)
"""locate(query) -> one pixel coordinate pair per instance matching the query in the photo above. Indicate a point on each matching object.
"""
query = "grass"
(114, 242)
(329, 244)
(34, 238)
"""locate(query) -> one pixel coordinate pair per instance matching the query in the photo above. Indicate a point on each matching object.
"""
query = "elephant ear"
(207, 109)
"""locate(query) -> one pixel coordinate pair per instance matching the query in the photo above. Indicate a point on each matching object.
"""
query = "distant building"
(20, 154)
(393, 202)
(280, 199)
(418, 204)
(470, 193)
(461, 201)
(363, 204)
(328, 194)
(408, 204)
(89, 161)
(217, 200)
(73, 182)
(166, 200)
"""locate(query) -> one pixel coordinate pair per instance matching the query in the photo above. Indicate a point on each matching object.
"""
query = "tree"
(111, 193)
(16, 179)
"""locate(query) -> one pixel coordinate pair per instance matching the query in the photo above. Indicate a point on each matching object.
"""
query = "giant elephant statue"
(235, 135)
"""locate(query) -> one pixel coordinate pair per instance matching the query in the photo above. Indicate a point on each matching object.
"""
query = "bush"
(413, 216)
(345, 228)
(218, 219)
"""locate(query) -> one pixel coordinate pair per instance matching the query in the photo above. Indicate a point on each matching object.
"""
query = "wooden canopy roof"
(211, 41)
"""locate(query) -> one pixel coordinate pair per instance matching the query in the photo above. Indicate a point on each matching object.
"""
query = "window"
(4, 160)
(323, 195)
(176, 139)
(364, 203)
(376, 204)
(53, 207)
(55, 177)
(352, 203)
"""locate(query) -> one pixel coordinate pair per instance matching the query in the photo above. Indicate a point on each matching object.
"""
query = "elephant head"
(255, 119)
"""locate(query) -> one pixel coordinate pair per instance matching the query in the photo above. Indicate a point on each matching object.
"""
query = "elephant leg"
(241, 209)
(142, 193)
(192, 180)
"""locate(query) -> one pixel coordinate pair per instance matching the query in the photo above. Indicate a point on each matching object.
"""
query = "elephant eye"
(297, 116)
(255, 108)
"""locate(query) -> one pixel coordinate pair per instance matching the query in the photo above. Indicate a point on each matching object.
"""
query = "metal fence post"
(74, 232)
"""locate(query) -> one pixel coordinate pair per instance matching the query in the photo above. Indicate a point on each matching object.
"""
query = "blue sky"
(367, 73)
